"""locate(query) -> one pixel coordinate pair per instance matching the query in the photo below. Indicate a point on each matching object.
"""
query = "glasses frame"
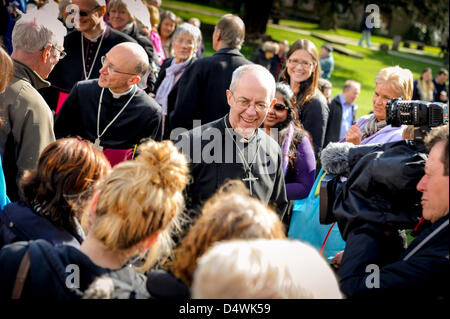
(305, 65)
(111, 69)
(89, 12)
(62, 53)
(247, 105)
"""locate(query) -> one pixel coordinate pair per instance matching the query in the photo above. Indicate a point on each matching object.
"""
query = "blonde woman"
(424, 87)
(131, 211)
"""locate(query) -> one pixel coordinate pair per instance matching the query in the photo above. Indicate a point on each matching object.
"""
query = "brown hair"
(232, 30)
(141, 197)
(436, 135)
(7, 69)
(63, 180)
(230, 214)
(308, 88)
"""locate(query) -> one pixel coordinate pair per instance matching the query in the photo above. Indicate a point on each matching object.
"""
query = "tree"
(256, 16)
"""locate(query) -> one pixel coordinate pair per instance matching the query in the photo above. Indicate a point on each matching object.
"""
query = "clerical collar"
(97, 37)
(238, 136)
(119, 95)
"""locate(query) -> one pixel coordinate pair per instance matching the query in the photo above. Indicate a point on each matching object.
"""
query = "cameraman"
(423, 269)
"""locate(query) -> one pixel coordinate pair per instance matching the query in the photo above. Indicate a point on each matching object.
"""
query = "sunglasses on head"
(86, 13)
(280, 107)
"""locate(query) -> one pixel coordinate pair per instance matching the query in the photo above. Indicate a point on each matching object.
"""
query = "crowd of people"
(160, 173)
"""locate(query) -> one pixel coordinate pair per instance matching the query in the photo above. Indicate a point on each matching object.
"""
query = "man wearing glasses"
(27, 120)
(112, 112)
(91, 40)
(233, 147)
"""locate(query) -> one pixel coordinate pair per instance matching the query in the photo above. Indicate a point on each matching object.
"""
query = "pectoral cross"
(97, 144)
(250, 178)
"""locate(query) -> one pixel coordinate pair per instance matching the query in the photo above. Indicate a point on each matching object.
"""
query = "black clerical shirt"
(214, 159)
(142, 117)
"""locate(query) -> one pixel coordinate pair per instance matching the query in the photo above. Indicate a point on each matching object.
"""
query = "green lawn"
(362, 70)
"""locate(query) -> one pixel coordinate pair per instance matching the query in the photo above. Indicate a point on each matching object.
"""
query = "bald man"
(92, 39)
(112, 112)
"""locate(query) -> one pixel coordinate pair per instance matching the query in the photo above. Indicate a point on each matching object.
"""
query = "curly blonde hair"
(141, 197)
(230, 214)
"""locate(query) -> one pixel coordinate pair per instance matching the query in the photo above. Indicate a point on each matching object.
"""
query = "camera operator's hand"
(336, 261)
(353, 135)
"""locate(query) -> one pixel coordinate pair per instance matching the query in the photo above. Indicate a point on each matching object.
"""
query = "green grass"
(362, 70)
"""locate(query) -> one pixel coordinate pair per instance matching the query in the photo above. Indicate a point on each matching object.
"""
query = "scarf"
(372, 126)
(169, 81)
(285, 145)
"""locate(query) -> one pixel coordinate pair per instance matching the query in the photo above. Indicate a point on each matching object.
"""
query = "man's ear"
(102, 11)
(45, 53)
(135, 80)
(229, 95)
(274, 101)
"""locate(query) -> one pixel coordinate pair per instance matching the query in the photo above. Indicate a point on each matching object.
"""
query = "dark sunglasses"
(86, 13)
(280, 107)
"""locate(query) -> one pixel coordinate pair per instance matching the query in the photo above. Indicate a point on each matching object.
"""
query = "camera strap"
(427, 239)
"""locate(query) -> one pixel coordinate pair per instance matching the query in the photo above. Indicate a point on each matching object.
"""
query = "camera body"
(380, 182)
(421, 114)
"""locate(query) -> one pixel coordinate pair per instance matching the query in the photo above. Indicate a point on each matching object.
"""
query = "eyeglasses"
(280, 107)
(245, 104)
(304, 64)
(62, 53)
(86, 13)
(111, 69)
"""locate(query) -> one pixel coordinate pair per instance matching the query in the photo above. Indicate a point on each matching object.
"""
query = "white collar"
(118, 95)
(97, 37)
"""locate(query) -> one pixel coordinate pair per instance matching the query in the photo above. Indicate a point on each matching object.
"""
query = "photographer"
(421, 270)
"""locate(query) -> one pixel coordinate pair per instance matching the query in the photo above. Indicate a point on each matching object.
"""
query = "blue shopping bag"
(305, 225)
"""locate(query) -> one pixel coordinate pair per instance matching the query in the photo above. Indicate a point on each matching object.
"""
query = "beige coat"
(27, 123)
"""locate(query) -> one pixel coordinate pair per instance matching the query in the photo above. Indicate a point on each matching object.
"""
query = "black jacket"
(62, 272)
(314, 117)
(18, 222)
(425, 274)
(202, 89)
(334, 120)
(259, 57)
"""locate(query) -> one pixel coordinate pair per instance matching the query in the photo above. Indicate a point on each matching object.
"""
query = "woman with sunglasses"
(298, 160)
(302, 73)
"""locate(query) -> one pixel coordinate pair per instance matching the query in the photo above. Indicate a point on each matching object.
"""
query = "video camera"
(381, 179)
(422, 115)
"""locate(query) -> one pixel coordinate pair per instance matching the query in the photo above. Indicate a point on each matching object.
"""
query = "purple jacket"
(300, 178)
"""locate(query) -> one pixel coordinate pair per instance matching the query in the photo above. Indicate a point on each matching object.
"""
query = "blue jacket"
(424, 274)
(19, 222)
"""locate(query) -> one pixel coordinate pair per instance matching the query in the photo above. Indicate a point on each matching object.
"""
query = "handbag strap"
(21, 276)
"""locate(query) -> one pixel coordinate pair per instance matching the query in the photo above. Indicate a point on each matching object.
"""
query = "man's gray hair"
(351, 83)
(232, 30)
(187, 28)
(262, 72)
(33, 31)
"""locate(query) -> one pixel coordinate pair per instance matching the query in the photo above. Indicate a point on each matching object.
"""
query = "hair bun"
(168, 166)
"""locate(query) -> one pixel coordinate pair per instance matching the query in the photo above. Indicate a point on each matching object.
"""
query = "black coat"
(334, 120)
(424, 275)
(314, 118)
(202, 89)
(53, 268)
(69, 70)
(19, 222)
(171, 99)
(259, 57)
